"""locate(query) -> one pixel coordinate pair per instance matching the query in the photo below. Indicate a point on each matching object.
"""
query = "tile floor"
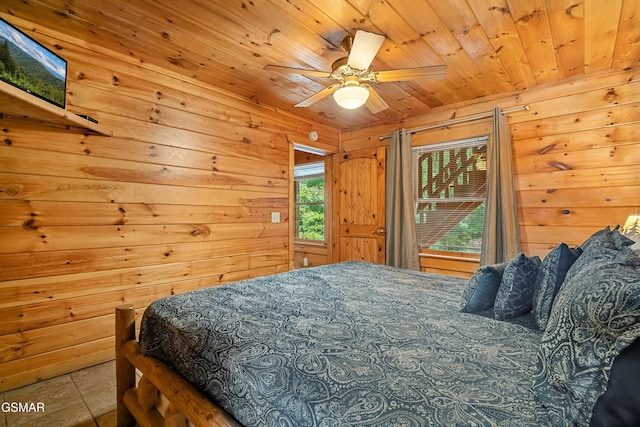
(85, 398)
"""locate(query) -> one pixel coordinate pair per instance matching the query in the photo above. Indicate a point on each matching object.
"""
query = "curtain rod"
(462, 120)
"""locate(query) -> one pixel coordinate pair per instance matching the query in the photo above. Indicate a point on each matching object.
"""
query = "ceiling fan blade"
(433, 72)
(364, 48)
(375, 103)
(318, 96)
(312, 73)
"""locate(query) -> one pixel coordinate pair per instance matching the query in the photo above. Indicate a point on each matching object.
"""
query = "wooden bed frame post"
(125, 371)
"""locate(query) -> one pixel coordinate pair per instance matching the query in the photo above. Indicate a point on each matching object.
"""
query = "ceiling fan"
(354, 75)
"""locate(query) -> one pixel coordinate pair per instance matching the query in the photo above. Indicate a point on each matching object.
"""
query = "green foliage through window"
(310, 207)
(466, 236)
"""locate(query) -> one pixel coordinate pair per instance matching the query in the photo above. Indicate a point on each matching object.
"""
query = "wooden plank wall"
(179, 198)
(576, 153)
(577, 160)
(316, 254)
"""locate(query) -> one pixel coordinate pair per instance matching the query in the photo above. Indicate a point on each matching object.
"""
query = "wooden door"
(361, 226)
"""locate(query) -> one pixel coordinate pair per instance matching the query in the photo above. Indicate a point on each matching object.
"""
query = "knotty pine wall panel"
(576, 153)
(577, 163)
(315, 254)
(179, 198)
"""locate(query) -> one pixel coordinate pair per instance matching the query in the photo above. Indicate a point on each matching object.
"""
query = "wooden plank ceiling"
(489, 46)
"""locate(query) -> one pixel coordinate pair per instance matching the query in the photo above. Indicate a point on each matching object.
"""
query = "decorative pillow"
(482, 288)
(620, 240)
(515, 294)
(597, 238)
(619, 406)
(550, 277)
(594, 317)
(600, 246)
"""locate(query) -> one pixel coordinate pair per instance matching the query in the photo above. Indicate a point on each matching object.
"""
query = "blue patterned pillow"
(481, 289)
(597, 239)
(607, 233)
(594, 317)
(599, 247)
(620, 240)
(515, 295)
(550, 277)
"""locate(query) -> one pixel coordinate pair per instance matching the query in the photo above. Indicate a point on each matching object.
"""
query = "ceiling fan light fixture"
(351, 97)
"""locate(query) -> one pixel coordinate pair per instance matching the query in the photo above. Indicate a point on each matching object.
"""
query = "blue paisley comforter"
(349, 344)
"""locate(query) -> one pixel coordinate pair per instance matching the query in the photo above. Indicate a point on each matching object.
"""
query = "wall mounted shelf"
(19, 104)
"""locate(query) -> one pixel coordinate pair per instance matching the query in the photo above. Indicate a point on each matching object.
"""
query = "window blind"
(449, 182)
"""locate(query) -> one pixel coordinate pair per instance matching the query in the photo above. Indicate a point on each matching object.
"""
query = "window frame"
(296, 204)
(418, 185)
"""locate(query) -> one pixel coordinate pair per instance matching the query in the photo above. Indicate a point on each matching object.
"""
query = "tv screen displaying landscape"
(30, 66)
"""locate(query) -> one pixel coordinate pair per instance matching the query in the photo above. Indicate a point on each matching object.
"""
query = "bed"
(339, 345)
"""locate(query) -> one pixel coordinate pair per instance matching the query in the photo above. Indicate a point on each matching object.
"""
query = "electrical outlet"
(275, 216)
(305, 262)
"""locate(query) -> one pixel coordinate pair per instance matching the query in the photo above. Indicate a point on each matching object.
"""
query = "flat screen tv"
(30, 66)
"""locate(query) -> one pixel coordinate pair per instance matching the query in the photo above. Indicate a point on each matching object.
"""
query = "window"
(449, 183)
(309, 201)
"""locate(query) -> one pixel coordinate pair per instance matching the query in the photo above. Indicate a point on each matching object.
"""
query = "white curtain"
(501, 235)
(401, 240)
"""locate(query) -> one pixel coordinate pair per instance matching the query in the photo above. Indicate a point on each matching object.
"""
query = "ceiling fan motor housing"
(347, 43)
(340, 65)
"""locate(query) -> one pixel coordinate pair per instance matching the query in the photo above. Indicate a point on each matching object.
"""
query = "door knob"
(380, 231)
